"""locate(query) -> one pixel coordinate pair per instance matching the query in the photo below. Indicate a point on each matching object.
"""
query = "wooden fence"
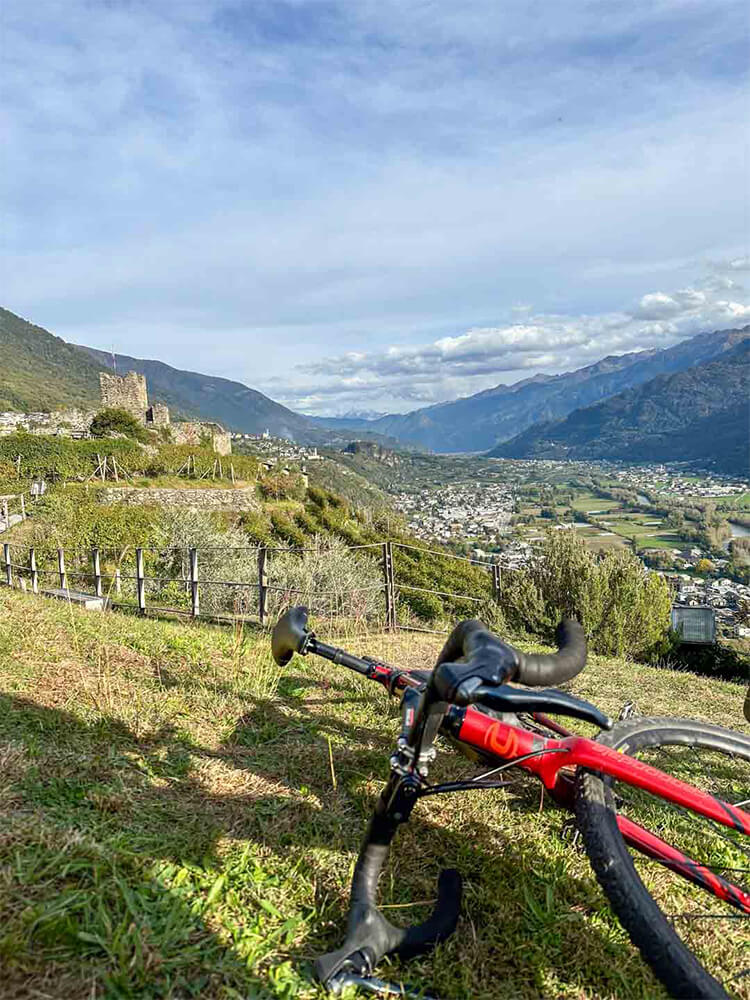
(13, 509)
(195, 582)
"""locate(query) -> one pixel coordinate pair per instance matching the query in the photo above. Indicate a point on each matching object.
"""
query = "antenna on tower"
(114, 360)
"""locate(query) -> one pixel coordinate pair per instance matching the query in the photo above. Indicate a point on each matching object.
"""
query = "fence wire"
(253, 583)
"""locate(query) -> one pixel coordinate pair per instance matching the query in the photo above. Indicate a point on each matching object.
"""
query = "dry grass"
(180, 818)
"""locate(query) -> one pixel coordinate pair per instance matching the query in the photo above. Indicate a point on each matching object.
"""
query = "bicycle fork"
(370, 937)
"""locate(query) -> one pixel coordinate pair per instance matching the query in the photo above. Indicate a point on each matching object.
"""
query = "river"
(738, 531)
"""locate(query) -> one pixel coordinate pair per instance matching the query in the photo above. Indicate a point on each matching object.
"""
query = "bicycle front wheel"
(697, 943)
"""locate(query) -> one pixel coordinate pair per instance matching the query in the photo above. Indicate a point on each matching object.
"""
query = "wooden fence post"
(8, 567)
(496, 578)
(390, 587)
(6, 516)
(118, 582)
(97, 572)
(23, 508)
(194, 595)
(61, 569)
(140, 581)
(34, 572)
(262, 584)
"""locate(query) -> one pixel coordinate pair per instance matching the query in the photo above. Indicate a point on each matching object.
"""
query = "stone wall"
(157, 415)
(206, 499)
(125, 392)
(63, 423)
(193, 432)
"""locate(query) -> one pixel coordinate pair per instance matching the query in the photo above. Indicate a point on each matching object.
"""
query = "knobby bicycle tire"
(596, 805)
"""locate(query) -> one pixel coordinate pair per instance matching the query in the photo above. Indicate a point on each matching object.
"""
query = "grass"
(181, 819)
(589, 501)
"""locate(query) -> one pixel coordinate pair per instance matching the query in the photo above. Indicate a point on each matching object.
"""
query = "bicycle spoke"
(701, 917)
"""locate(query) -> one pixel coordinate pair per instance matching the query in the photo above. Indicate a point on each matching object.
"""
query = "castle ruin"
(129, 392)
(124, 392)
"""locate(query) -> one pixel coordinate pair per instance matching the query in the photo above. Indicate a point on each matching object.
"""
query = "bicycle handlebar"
(544, 669)
(473, 657)
(472, 663)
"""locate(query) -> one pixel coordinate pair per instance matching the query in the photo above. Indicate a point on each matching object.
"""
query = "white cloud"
(480, 358)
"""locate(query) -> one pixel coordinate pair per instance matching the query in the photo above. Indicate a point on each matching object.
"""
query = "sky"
(371, 204)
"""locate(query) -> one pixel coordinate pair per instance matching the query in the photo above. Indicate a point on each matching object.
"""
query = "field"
(181, 819)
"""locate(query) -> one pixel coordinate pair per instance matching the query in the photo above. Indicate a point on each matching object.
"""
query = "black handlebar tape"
(545, 670)
(472, 651)
(443, 920)
(369, 935)
(421, 937)
(462, 640)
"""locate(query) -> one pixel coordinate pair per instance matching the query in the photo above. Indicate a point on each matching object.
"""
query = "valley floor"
(180, 818)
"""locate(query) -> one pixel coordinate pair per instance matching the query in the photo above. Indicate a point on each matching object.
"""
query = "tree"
(623, 609)
(704, 566)
(113, 421)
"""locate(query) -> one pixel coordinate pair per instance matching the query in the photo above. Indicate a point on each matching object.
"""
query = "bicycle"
(629, 812)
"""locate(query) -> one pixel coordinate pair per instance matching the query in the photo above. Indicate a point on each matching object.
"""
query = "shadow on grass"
(714, 660)
(129, 850)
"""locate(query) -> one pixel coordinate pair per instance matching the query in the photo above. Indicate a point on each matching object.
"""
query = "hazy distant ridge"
(478, 422)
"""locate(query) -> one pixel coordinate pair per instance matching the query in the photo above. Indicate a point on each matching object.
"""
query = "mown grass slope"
(180, 818)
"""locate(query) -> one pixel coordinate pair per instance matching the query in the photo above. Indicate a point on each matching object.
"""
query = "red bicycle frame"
(553, 761)
(476, 668)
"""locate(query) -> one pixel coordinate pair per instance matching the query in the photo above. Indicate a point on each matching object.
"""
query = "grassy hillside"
(40, 371)
(180, 818)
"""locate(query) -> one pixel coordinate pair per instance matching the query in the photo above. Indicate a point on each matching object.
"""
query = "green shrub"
(225, 554)
(282, 486)
(48, 457)
(74, 518)
(113, 421)
(623, 609)
(171, 458)
(328, 578)
(258, 527)
(287, 530)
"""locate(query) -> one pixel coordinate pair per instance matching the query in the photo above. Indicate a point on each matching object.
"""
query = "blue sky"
(374, 204)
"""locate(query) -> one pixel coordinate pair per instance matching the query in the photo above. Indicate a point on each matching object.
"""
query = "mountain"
(351, 420)
(699, 414)
(476, 423)
(42, 372)
(208, 397)
(39, 371)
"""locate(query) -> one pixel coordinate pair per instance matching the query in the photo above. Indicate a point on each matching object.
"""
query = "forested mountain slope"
(39, 371)
(698, 414)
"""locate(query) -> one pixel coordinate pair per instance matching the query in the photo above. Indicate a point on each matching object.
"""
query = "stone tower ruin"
(125, 392)
(129, 392)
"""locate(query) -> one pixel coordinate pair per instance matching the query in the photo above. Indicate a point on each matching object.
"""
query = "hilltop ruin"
(125, 392)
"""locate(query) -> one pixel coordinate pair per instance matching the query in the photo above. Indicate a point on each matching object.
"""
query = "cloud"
(241, 187)
(483, 357)
(659, 305)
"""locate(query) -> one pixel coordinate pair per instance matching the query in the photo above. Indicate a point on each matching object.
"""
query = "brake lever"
(510, 699)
